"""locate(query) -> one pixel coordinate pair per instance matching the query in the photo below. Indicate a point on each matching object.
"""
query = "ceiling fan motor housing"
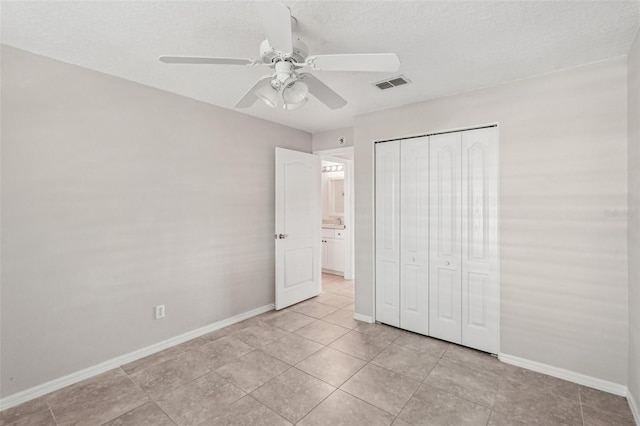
(284, 75)
(269, 55)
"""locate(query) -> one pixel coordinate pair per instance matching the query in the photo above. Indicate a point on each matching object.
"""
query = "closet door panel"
(445, 299)
(387, 208)
(480, 293)
(414, 235)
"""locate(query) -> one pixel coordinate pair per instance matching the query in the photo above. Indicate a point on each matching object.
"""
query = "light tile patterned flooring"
(312, 364)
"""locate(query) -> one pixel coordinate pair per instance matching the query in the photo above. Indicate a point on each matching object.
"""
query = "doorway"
(337, 228)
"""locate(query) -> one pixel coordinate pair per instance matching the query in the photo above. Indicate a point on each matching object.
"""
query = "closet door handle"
(446, 263)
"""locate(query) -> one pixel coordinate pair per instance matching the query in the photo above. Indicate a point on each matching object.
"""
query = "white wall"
(562, 164)
(634, 218)
(331, 139)
(117, 197)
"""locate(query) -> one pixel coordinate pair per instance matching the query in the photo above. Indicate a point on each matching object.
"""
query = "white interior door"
(480, 292)
(414, 235)
(388, 232)
(445, 229)
(298, 251)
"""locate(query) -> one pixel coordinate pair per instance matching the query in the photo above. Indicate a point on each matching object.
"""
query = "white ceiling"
(444, 47)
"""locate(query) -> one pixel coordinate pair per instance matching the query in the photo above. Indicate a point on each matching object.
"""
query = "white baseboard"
(363, 318)
(635, 408)
(70, 379)
(568, 375)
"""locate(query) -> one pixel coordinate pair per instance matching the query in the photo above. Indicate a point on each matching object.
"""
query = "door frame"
(495, 124)
(349, 192)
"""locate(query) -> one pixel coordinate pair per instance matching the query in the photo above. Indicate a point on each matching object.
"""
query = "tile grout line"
(461, 397)
(553, 393)
(336, 388)
(369, 363)
(416, 389)
(316, 406)
(424, 382)
(345, 381)
(357, 397)
(150, 398)
(581, 410)
(294, 365)
(50, 408)
(255, 399)
(165, 413)
(382, 409)
(346, 353)
(52, 415)
(153, 398)
(304, 372)
(273, 378)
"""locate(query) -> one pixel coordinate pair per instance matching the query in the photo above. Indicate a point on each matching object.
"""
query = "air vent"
(384, 85)
(392, 82)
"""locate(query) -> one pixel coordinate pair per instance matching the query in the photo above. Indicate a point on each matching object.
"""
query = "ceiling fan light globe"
(289, 107)
(295, 92)
(268, 95)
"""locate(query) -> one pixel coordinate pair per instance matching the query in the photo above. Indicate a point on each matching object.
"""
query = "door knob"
(446, 263)
(281, 236)
(413, 259)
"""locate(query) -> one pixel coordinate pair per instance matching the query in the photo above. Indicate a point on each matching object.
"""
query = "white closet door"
(444, 261)
(388, 233)
(480, 293)
(414, 235)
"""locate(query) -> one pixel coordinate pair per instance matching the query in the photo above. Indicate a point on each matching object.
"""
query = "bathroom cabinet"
(333, 250)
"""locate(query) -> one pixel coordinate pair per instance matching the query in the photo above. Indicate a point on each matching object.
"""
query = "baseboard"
(568, 375)
(70, 379)
(635, 408)
(363, 318)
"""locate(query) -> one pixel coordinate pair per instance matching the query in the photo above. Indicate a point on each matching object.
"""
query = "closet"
(436, 236)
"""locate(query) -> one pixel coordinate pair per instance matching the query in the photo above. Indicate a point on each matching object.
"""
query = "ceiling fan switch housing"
(269, 55)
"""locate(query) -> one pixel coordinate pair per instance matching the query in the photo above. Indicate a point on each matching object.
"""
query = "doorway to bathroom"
(337, 233)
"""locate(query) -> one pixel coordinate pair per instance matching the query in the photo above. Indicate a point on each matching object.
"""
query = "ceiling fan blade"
(374, 62)
(204, 60)
(250, 97)
(276, 20)
(322, 92)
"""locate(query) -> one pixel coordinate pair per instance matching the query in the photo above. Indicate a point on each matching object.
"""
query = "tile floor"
(313, 364)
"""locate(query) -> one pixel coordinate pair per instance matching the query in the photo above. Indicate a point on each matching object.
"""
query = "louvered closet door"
(388, 233)
(445, 299)
(414, 235)
(480, 293)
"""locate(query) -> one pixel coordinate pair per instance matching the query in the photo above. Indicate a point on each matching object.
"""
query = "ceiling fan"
(286, 87)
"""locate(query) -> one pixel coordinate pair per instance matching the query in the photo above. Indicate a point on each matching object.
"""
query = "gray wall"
(633, 111)
(117, 197)
(563, 163)
(329, 139)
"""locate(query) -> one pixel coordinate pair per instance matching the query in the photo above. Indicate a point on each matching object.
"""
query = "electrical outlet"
(159, 311)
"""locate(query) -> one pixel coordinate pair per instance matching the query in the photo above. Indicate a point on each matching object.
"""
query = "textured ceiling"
(444, 47)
